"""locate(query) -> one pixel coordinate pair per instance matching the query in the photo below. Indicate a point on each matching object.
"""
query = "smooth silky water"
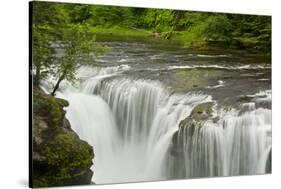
(130, 105)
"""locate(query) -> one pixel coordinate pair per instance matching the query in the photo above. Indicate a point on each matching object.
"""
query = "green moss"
(48, 108)
(68, 158)
(68, 152)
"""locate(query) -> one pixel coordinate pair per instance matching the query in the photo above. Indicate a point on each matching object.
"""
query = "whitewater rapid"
(130, 124)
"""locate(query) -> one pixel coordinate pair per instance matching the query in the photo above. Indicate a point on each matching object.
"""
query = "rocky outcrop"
(199, 115)
(59, 157)
(188, 128)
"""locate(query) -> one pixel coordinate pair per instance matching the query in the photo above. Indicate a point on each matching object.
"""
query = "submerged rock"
(59, 157)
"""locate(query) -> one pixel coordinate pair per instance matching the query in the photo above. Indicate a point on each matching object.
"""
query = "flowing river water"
(129, 106)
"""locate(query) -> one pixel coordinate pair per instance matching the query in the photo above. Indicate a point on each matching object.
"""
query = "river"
(129, 106)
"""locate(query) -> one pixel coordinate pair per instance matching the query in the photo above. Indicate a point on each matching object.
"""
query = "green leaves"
(60, 46)
(215, 27)
(157, 19)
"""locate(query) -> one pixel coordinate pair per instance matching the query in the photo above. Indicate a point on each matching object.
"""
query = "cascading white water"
(236, 145)
(148, 117)
(130, 124)
(92, 119)
(247, 139)
(135, 121)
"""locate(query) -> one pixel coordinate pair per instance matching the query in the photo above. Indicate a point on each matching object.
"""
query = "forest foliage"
(73, 27)
(240, 31)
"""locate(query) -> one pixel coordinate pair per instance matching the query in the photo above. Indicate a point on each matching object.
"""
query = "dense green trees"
(235, 30)
(44, 19)
(252, 30)
(60, 43)
(72, 27)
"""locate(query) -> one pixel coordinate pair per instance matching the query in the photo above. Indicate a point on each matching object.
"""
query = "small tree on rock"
(79, 48)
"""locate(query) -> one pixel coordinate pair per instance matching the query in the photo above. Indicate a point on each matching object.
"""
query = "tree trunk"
(58, 84)
(177, 16)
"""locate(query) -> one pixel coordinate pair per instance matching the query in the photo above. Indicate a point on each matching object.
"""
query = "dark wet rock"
(59, 157)
(216, 119)
(245, 98)
(264, 104)
(268, 163)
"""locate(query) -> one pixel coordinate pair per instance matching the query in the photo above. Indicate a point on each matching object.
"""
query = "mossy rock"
(59, 157)
(68, 151)
(48, 108)
(68, 160)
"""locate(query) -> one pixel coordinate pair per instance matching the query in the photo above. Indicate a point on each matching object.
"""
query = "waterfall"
(131, 122)
(236, 145)
(247, 139)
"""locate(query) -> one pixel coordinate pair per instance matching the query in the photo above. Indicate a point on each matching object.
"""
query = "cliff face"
(59, 157)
